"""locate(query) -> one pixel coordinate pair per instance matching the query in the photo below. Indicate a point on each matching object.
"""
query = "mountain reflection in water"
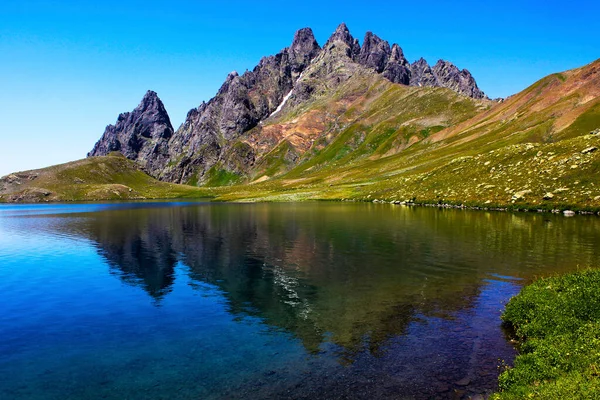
(356, 275)
(309, 300)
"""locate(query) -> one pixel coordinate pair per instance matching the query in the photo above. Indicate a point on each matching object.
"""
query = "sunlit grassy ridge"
(111, 177)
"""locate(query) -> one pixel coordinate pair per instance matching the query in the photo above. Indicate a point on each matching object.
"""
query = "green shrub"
(557, 322)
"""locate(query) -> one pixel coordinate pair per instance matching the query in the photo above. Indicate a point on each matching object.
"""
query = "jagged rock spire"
(374, 52)
(342, 35)
(459, 81)
(303, 49)
(444, 74)
(421, 74)
(140, 135)
(397, 69)
(377, 54)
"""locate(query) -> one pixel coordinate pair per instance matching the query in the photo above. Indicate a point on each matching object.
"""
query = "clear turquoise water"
(311, 300)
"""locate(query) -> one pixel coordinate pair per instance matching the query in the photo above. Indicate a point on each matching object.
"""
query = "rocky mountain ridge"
(210, 133)
(347, 133)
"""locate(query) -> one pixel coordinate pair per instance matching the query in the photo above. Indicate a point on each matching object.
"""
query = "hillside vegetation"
(365, 119)
(556, 323)
(538, 149)
(111, 177)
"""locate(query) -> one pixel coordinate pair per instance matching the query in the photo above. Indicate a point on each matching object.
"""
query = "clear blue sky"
(68, 68)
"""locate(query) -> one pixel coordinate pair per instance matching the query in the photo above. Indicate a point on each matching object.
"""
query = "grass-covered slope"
(558, 175)
(559, 106)
(557, 321)
(398, 149)
(363, 118)
(112, 177)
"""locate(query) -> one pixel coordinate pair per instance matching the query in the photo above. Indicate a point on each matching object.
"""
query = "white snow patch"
(280, 106)
(286, 97)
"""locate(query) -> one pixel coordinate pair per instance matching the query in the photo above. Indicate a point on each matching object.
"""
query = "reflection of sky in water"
(256, 300)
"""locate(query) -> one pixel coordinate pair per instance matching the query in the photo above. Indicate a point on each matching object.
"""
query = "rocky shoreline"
(565, 212)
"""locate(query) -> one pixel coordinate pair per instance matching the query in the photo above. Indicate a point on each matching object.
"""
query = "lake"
(310, 300)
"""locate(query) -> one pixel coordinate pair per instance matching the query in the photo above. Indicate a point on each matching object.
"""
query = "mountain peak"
(374, 53)
(302, 37)
(397, 53)
(421, 74)
(151, 101)
(397, 69)
(462, 82)
(421, 62)
(342, 28)
(350, 45)
(341, 34)
(150, 94)
(303, 49)
(140, 135)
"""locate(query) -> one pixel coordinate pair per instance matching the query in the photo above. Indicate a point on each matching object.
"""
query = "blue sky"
(68, 68)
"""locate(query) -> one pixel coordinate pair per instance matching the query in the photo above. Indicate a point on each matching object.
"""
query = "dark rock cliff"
(444, 74)
(450, 76)
(240, 104)
(141, 135)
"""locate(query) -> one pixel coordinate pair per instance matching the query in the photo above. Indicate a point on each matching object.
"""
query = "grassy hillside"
(533, 176)
(559, 106)
(353, 114)
(538, 149)
(96, 178)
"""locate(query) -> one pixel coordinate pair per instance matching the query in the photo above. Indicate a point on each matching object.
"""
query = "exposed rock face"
(444, 74)
(240, 104)
(141, 135)
(397, 69)
(460, 81)
(332, 67)
(422, 75)
(374, 53)
(377, 55)
(342, 35)
(303, 49)
(209, 139)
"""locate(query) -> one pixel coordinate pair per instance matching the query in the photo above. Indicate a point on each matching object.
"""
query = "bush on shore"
(557, 323)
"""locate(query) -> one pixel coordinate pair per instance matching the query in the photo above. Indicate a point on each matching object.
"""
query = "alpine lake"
(315, 300)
